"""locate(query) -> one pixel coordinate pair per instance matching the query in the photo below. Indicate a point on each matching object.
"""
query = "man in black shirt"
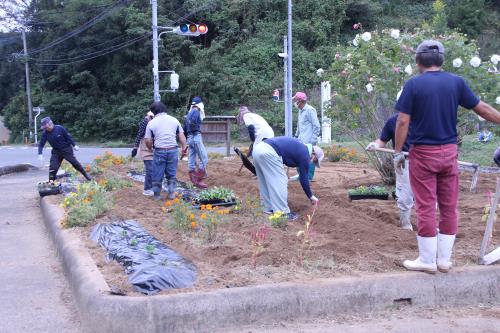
(62, 148)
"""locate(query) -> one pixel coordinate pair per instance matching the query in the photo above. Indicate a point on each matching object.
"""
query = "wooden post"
(228, 137)
(489, 225)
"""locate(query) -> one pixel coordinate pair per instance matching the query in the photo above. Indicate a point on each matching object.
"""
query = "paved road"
(34, 295)
(472, 319)
(10, 155)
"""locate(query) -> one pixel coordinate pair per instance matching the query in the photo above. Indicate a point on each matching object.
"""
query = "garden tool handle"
(392, 151)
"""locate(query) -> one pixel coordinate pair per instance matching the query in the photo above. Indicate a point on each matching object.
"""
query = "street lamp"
(38, 110)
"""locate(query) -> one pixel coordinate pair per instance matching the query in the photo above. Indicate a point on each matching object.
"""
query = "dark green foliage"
(236, 63)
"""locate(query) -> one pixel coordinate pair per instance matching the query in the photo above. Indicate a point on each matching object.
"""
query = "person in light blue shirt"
(308, 128)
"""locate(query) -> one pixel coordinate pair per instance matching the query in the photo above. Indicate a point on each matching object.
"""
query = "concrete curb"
(16, 168)
(264, 304)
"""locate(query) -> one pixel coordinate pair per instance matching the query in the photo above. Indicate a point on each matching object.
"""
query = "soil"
(349, 237)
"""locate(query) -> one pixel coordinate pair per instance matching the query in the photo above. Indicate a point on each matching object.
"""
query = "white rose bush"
(368, 73)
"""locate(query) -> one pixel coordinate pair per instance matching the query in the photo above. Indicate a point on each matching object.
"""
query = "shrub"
(85, 205)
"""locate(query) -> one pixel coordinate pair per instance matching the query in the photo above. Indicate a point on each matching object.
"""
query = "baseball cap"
(196, 100)
(45, 121)
(430, 46)
(300, 96)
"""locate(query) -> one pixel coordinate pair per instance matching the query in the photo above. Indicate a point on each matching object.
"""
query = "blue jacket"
(296, 155)
(192, 122)
(59, 139)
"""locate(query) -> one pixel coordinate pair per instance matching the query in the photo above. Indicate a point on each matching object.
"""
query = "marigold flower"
(168, 203)
(203, 207)
(176, 200)
(208, 207)
(203, 216)
(191, 216)
(194, 225)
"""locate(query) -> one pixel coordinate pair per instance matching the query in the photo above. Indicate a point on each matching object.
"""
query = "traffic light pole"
(288, 87)
(285, 83)
(28, 86)
(156, 78)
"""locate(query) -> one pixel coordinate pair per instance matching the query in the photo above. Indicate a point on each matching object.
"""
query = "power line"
(133, 41)
(103, 51)
(81, 28)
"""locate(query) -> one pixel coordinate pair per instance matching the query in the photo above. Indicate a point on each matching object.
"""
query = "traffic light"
(191, 29)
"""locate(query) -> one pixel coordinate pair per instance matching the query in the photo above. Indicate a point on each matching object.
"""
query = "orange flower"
(203, 207)
(176, 200)
(203, 216)
(194, 225)
(209, 207)
(168, 203)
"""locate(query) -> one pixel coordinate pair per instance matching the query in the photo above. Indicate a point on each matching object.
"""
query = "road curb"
(5, 170)
(263, 304)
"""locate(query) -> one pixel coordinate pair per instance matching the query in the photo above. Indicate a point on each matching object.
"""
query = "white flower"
(408, 70)
(369, 87)
(395, 33)
(348, 56)
(319, 72)
(497, 100)
(495, 59)
(475, 62)
(355, 40)
(457, 62)
(366, 36)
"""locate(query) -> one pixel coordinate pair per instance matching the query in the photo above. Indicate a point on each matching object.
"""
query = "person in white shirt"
(161, 135)
(258, 128)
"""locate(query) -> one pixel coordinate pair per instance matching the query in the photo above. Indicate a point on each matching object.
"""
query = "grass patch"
(474, 151)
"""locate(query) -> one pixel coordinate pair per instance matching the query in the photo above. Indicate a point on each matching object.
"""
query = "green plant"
(278, 219)
(84, 205)
(114, 183)
(369, 190)
(181, 214)
(217, 193)
(133, 242)
(150, 248)
(368, 73)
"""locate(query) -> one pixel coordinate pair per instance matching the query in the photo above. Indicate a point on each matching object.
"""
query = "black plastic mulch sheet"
(151, 265)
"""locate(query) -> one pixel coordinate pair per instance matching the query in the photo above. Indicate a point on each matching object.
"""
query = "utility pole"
(285, 83)
(28, 88)
(288, 101)
(156, 78)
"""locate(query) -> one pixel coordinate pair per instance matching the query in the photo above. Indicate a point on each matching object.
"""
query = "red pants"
(434, 177)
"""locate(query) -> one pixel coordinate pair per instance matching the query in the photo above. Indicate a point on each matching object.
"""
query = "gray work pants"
(273, 182)
(403, 189)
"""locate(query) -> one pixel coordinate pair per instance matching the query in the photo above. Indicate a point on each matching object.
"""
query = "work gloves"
(134, 152)
(76, 148)
(372, 146)
(399, 159)
(314, 200)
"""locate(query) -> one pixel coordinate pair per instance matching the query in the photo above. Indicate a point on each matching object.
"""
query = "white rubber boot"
(445, 248)
(405, 220)
(426, 261)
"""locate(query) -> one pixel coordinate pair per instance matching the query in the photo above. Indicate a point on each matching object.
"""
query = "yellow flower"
(191, 216)
(203, 207)
(209, 207)
(203, 216)
(168, 203)
(176, 200)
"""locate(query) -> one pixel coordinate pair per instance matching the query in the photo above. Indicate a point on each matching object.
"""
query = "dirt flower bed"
(340, 238)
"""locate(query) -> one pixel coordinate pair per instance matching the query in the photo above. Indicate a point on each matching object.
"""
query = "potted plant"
(49, 188)
(219, 196)
(368, 192)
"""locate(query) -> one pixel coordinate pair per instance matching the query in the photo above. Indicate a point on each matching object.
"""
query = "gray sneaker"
(148, 193)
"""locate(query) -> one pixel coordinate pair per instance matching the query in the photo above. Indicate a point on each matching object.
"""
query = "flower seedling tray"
(368, 196)
(215, 202)
(46, 189)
